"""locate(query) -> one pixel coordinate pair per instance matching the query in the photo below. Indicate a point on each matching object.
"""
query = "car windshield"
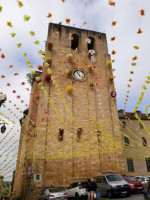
(147, 178)
(57, 189)
(130, 179)
(114, 177)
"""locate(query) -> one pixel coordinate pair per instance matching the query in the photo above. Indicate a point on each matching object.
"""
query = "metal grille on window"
(130, 165)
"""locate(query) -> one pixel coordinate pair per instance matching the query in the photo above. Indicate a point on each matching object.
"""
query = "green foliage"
(31, 78)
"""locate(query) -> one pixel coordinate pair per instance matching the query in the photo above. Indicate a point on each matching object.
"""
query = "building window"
(130, 165)
(74, 41)
(148, 164)
(60, 134)
(144, 142)
(91, 43)
(141, 126)
(126, 140)
(123, 124)
(79, 134)
(121, 114)
(98, 136)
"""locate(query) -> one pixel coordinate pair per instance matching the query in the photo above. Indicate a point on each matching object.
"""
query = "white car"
(77, 190)
(143, 179)
(53, 194)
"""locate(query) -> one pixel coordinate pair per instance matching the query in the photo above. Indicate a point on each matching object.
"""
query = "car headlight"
(131, 184)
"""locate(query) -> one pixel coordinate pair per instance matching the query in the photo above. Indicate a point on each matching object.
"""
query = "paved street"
(132, 197)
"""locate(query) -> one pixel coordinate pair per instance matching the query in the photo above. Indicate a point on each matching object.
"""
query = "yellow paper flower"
(144, 87)
(46, 64)
(26, 18)
(37, 42)
(44, 58)
(18, 45)
(37, 78)
(9, 24)
(1, 8)
(69, 89)
(28, 62)
(32, 33)
(49, 71)
(13, 34)
(20, 4)
(32, 72)
(41, 52)
(53, 77)
(25, 54)
(30, 66)
(108, 63)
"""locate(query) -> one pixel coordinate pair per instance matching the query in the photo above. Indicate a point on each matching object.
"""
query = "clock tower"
(72, 128)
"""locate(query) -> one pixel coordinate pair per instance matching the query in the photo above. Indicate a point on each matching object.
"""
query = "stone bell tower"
(74, 131)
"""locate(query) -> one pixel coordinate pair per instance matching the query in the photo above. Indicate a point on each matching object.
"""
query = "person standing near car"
(92, 189)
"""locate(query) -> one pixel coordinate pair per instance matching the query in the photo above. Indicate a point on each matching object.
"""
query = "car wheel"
(109, 194)
(128, 194)
(77, 197)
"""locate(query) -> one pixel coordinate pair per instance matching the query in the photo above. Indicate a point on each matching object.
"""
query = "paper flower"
(136, 47)
(25, 54)
(130, 80)
(41, 52)
(129, 85)
(32, 33)
(26, 18)
(76, 50)
(113, 38)
(20, 4)
(18, 45)
(48, 77)
(30, 66)
(37, 42)
(113, 52)
(131, 72)
(13, 34)
(108, 63)
(142, 12)
(2, 76)
(28, 62)
(84, 23)
(14, 91)
(40, 67)
(23, 83)
(134, 58)
(16, 74)
(49, 71)
(8, 84)
(114, 23)
(36, 96)
(2, 55)
(139, 31)
(144, 87)
(32, 72)
(56, 34)
(9, 24)
(1, 8)
(112, 3)
(68, 20)
(18, 97)
(69, 89)
(133, 64)
(49, 15)
(63, 1)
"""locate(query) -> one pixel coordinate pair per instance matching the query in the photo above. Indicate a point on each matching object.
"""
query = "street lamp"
(3, 128)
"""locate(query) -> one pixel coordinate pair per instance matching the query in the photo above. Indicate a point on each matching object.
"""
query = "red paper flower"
(23, 83)
(68, 20)
(22, 101)
(113, 38)
(112, 3)
(18, 97)
(16, 74)
(94, 67)
(8, 84)
(113, 52)
(14, 104)
(134, 58)
(95, 77)
(130, 80)
(131, 72)
(2, 55)
(10, 66)
(14, 91)
(129, 85)
(142, 12)
(2, 76)
(139, 31)
(96, 84)
(27, 89)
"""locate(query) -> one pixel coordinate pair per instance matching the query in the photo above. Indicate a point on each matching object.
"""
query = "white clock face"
(79, 75)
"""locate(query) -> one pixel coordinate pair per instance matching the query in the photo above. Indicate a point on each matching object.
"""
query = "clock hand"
(78, 74)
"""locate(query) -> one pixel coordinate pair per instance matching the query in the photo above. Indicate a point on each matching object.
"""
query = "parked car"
(77, 190)
(135, 185)
(112, 184)
(53, 193)
(147, 191)
(143, 179)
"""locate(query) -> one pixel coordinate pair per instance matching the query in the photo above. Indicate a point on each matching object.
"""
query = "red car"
(134, 184)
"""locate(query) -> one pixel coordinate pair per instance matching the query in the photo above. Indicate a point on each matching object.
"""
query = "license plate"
(59, 197)
(140, 188)
(124, 192)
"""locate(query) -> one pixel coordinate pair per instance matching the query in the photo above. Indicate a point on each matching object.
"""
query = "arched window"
(123, 124)
(126, 140)
(91, 43)
(144, 142)
(75, 41)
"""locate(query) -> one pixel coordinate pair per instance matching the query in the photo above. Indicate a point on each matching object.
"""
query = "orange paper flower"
(112, 3)
(68, 20)
(49, 15)
(133, 64)
(131, 72)
(134, 58)
(130, 80)
(114, 23)
(136, 47)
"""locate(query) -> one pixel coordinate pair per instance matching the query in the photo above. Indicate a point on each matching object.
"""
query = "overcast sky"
(99, 16)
